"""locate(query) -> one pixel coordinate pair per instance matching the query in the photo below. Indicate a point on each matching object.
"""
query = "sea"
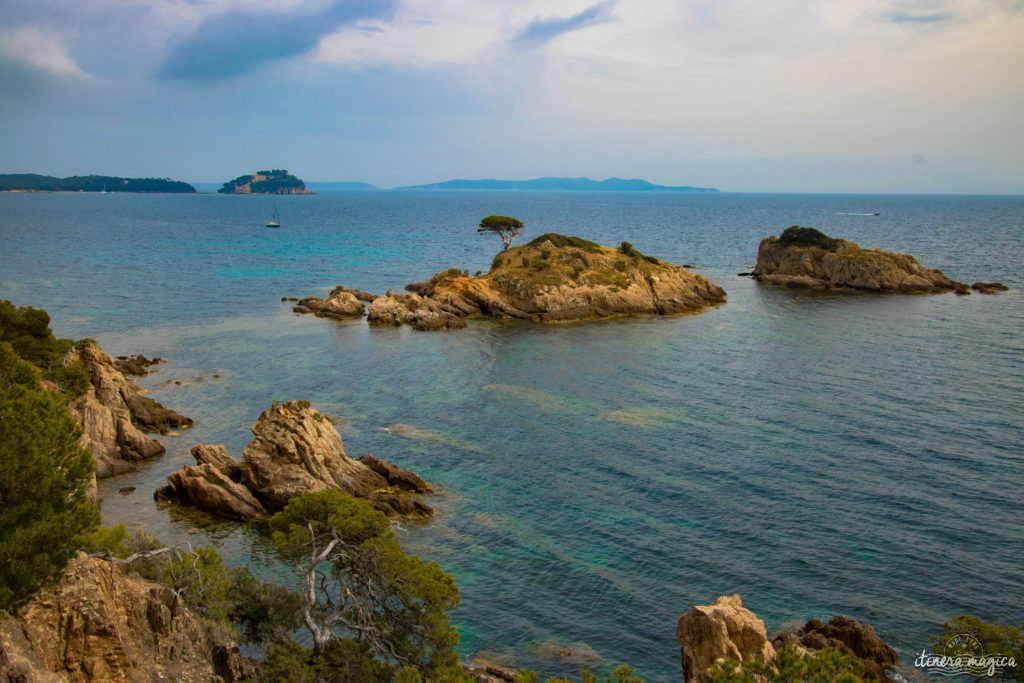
(818, 453)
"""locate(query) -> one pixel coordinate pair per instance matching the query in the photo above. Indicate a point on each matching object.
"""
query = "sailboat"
(274, 222)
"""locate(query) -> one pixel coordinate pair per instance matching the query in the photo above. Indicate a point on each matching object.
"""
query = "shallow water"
(818, 453)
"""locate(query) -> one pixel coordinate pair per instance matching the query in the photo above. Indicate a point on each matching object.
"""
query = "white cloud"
(31, 46)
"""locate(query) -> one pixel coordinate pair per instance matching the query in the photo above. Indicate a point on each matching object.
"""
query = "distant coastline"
(550, 183)
(34, 182)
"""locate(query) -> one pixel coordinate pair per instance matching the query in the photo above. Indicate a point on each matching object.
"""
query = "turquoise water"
(818, 453)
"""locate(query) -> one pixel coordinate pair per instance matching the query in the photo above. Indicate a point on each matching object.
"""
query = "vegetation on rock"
(799, 236)
(565, 241)
(28, 332)
(995, 639)
(44, 477)
(276, 181)
(789, 666)
(505, 227)
(361, 589)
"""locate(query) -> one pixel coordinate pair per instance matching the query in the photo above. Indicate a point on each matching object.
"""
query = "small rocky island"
(808, 258)
(295, 450)
(277, 181)
(554, 278)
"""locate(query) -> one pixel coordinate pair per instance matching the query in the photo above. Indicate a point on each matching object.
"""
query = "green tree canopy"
(358, 584)
(44, 477)
(505, 227)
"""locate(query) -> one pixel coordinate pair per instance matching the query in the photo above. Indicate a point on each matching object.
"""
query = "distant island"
(340, 186)
(548, 183)
(277, 181)
(33, 182)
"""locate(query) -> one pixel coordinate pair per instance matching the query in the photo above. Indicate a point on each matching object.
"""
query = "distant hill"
(32, 182)
(548, 183)
(277, 181)
(340, 186)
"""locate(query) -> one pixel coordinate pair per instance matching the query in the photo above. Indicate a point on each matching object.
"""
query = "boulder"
(849, 637)
(723, 630)
(101, 624)
(341, 304)
(829, 263)
(294, 450)
(113, 415)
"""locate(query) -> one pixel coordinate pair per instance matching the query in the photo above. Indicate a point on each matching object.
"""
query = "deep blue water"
(818, 453)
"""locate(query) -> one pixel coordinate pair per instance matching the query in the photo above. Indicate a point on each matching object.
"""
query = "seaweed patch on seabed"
(642, 417)
(429, 436)
(551, 403)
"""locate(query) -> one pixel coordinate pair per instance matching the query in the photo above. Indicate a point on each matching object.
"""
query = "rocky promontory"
(294, 450)
(553, 278)
(114, 415)
(807, 258)
(100, 623)
(709, 634)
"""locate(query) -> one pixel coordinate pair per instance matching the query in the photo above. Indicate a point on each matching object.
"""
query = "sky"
(916, 96)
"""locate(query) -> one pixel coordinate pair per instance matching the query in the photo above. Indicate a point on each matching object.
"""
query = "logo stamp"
(964, 654)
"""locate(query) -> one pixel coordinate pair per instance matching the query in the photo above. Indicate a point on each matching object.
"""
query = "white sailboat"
(274, 222)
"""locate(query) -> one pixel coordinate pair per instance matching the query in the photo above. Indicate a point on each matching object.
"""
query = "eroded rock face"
(114, 416)
(412, 309)
(724, 630)
(849, 637)
(341, 304)
(295, 450)
(847, 267)
(100, 624)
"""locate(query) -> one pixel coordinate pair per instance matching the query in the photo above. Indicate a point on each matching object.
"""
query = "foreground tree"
(357, 581)
(503, 226)
(44, 477)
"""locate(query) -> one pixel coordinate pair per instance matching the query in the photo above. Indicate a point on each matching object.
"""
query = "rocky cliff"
(294, 450)
(553, 278)
(805, 257)
(114, 415)
(708, 634)
(101, 624)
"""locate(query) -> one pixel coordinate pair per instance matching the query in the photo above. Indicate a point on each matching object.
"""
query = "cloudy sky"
(744, 95)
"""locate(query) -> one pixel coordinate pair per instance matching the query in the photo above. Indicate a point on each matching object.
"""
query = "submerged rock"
(113, 415)
(723, 630)
(295, 450)
(807, 258)
(102, 624)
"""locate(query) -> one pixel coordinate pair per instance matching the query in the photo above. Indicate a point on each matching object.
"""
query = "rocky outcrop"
(989, 287)
(135, 365)
(724, 630)
(101, 624)
(295, 450)
(814, 260)
(412, 309)
(849, 637)
(114, 415)
(341, 303)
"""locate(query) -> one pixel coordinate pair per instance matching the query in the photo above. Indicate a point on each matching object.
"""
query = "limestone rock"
(726, 629)
(849, 637)
(412, 309)
(113, 415)
(341, 304)
(844, 265)
(989, 287)
(101, 624)
(295, 450)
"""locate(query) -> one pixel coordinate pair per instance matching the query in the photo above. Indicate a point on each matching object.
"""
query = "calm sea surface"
(818, 453)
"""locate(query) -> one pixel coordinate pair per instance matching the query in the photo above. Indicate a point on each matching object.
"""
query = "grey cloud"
(234, 44)
(541, 31)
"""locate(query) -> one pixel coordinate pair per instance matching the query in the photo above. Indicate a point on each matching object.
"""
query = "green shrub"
(798, 236)
(565, 241)
(824, 666)
(116, 541)
(631, 251)
(44, 478)
(995, 638)
(72, 379)
(445, 274)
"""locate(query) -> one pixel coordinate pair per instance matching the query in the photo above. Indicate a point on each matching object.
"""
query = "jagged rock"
(989, 287)
(357, 293)
(840, 264)
(340, 304)
(135, 365)
(482, 672)
(101, 624)
(711, 633)
(113, 415)
(412, 309)
(396, 476)
(295, 450)
(849, 637)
